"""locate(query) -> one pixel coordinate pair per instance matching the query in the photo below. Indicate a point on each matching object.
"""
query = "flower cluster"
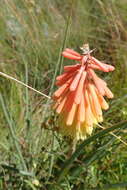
(79, 99)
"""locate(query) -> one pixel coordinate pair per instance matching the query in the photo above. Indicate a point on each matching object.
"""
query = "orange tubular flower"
(79, 99)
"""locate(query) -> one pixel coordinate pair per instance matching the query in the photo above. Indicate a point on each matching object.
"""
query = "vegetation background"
(32, 35)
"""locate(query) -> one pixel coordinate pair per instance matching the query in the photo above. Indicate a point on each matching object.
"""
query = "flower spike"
(79, 100)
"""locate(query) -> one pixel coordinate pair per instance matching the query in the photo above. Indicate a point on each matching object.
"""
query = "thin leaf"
(96, 155)
(110, 186)
(12, 133)
(80, 149)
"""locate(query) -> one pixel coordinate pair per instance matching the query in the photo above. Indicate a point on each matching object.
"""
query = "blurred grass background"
(32, 36)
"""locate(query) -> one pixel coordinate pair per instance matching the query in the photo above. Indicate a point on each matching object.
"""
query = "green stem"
(59, 64)
(60, 58)
(13, 133)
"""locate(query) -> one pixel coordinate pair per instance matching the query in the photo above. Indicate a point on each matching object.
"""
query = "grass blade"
(112, 186)
(13, 133)
(80, 149)
(98, 154)
(23, 84)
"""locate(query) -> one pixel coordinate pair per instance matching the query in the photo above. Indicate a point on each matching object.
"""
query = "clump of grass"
(33, 34)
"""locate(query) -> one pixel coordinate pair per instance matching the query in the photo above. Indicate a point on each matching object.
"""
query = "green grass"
(32, 36)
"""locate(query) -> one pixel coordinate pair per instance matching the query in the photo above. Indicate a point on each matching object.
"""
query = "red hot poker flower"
(79, 99)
